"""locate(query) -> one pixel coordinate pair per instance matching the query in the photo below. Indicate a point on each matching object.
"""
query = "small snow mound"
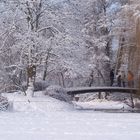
(137, 103)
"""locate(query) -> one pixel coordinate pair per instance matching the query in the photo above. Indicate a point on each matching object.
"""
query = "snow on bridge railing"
(82, 90)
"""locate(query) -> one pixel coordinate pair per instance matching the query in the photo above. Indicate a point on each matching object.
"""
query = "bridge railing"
(83, 90)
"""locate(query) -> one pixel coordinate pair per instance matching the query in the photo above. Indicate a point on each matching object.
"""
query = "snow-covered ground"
(45, 118)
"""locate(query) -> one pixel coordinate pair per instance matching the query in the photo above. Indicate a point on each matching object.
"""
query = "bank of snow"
(45, 118)
(44, 103)
(39, 102)
(102, 104)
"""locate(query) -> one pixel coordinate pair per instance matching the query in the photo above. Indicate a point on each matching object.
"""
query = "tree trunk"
(44, 75)
(63, 80)
(30, 89)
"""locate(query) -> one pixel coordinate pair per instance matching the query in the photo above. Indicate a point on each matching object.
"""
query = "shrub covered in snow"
(40, 85)
(58, 92)
(3, 103)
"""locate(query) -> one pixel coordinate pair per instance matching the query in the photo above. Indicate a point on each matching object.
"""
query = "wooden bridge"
(83, 90)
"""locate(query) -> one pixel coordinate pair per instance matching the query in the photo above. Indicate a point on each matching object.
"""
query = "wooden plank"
(82, 90)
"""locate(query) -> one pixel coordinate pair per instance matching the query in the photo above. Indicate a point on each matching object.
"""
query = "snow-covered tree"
(62, 42)
(98, 25)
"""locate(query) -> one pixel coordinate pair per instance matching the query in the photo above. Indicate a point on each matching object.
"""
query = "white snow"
(45, 118)
(103, 104)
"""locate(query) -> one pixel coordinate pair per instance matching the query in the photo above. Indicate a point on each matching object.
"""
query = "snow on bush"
(3, 103)
(58, 92)
(40, 85)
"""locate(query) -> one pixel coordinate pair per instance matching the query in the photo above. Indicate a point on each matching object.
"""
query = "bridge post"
(72, 96)
(99, 95)
(106, 94)
(132, 101)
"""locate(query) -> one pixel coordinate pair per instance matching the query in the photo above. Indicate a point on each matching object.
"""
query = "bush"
(40, 85)
(3, 103)
(59, 93)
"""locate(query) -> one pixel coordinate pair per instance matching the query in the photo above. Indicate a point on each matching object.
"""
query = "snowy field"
(45, 118)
